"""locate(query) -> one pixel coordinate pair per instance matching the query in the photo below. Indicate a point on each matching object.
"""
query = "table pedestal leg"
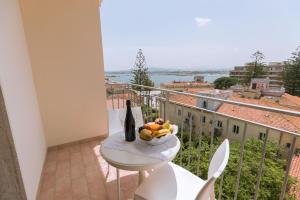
(118, 184)
(141, 176)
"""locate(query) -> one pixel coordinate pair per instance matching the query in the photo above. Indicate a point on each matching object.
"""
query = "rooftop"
(187, 84)
(277, 120)
(184, 99)
(282, 121)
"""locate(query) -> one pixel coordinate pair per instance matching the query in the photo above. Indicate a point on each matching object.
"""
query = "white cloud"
(202, 21)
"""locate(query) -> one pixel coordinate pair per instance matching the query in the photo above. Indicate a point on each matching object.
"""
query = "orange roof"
(186, 84)
(199, 90)
(290, 101)
(184, 99)
(282, 121)
(295, 172)
(277, 120)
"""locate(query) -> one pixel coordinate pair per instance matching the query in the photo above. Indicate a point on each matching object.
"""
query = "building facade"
(273, 71)
(196, 117)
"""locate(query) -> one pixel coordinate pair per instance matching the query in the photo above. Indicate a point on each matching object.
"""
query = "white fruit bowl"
(161, 140)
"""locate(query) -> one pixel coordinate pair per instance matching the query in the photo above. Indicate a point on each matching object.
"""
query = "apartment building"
(273, 72)
(215, 116)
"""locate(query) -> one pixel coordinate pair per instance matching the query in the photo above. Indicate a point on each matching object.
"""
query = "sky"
(198, 34)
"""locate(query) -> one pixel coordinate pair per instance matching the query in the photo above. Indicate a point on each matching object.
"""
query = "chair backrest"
(137, 114)
(216, 167)
(114, 122)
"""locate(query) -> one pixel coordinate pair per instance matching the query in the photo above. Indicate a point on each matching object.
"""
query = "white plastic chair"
(114, 122)
(114, 126)
(172, 182)
(116, 119)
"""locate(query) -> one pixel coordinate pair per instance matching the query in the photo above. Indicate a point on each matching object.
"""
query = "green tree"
(225, 82)
(291, 74)
(255, 69)
(140, 74)
(272, 176)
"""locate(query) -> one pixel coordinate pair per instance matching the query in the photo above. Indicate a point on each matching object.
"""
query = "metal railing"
(155, 102)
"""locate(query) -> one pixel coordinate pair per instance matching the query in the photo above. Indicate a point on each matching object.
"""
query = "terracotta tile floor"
(78, 172)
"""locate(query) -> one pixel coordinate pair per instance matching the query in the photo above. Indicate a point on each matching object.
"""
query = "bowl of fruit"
(157, 132)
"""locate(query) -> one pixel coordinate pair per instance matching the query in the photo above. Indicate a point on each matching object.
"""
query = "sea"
(159, 78)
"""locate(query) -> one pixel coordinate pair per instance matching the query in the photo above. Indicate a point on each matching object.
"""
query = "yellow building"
(180, 108)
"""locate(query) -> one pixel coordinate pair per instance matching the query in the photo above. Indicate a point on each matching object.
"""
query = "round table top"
(132, 161)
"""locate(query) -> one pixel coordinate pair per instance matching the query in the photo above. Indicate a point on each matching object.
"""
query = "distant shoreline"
(171, 73)
(160, 77)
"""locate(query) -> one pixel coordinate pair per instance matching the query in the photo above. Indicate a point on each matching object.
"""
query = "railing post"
(112, 97)
(212, 136)
(181, 135)
(141, 97)
(130, 94)
(156, 106)
(279, 144)
(200, 141)
(261, 164)
(165, 105)
(151, 119)
(118, 95)
(286, 176)
(240, 162)
(136, 98)
(160, 108)
(222, 176)
(146, 107)
(190, 137)
(124, 96)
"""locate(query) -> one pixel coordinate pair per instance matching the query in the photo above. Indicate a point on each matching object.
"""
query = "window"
(236, 129)
(204, 104)
(179, 112)
(220, 124)
(189, 114)
(203, 119)
(262, 136)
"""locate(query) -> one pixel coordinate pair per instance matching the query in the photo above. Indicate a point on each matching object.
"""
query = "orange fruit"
(155, 127)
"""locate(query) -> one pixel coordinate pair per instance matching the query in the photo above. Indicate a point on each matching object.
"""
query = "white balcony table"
(137, 156)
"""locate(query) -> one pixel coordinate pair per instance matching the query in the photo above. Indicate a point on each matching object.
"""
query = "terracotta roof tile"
(186, 84)
(184, 99)
(283, 121)
(198, 90)
(295, 172)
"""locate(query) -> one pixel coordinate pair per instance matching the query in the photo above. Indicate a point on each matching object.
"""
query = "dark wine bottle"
(129, 124)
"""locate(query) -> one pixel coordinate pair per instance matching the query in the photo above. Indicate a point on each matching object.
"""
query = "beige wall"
(20, 96)
(65, 48)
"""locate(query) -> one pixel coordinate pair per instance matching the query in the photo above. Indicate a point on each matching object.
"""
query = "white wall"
(20, 97)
